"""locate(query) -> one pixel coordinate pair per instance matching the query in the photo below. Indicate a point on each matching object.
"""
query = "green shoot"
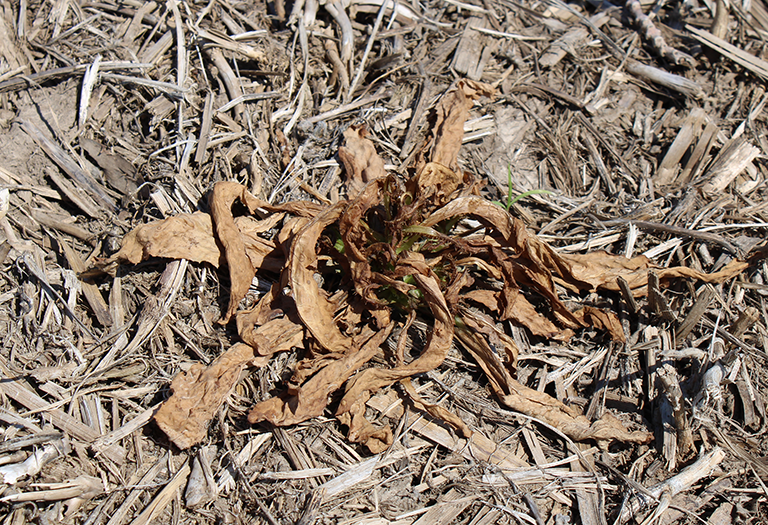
(512, 200)
(339, 245)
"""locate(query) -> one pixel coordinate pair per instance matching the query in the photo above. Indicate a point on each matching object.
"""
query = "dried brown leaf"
(451, 113)
(242, 268)
(603, 320)
(263, 254)
(201, 238)
(351, 411)
(489, 361)
(197, 395)
(310, 399)
(532, 264)
(583, 272)
(435, 411)
(536, 263)
(271, 304)
(568, 420)
(355, 235)
(600, 270)
(436, 184)
(241, 271)
(361, 161)
(541, 405)
(488, 326)
(277, 335)
(523, 312)
(190, 236)
(184, 236)
(317, 312)
(482, 264)
(487, 298)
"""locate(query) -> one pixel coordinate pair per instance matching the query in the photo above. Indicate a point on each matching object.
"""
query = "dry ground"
(116, 114)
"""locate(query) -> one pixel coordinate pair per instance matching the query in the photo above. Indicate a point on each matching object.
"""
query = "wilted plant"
(350, 272)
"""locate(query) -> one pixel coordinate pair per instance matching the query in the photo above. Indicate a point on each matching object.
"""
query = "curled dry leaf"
(190, 236)
(435, 411)
(600, 270)
(315, 309)
(351, 409)
(451, 113)
(357, 249)
(520, 310)
(585, 272)
(603, 320)
(278, 335)
(436, 183)
(484, 355)
(360, 158)
(541, 405)
(216, 238)
(486, 325)
(184, 236)
(241, 271)
(310, 399)
(568, 420)
(197, 395)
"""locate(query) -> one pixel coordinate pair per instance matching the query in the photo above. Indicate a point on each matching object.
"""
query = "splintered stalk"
(336, 10)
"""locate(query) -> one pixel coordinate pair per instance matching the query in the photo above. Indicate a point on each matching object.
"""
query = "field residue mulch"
(495, 262)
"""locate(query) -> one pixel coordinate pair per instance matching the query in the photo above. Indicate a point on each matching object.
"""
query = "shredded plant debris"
(383, 262)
